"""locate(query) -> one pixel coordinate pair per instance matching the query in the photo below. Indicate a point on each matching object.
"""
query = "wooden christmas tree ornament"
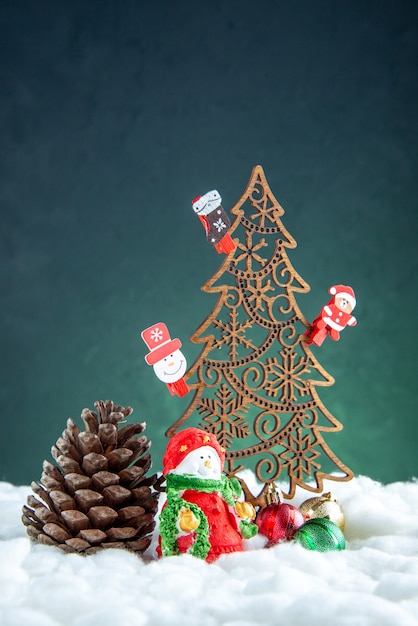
(254, 384)
(97, 496)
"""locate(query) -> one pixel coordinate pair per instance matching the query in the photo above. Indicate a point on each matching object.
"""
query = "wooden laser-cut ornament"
(254, 383)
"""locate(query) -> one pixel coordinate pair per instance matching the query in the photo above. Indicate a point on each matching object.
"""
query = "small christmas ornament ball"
(323, 506)
(279, 522)
(320, 534)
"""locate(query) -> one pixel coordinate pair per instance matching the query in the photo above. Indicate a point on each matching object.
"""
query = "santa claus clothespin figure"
(168, 361)
(215, 221)
(334, 316)
(204, 514)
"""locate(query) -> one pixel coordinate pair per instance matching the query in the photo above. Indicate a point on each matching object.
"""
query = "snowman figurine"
(204, 515)
(215, 221)
(164, 355)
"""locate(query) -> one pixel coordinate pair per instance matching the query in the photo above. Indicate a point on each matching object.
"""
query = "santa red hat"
(343, 291)
(185, 442)
(159, 343)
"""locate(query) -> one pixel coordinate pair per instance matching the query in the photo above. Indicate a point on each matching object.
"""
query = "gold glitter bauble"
(323, 506)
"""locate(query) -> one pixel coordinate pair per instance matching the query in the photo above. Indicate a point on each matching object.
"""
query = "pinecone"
(98, 496)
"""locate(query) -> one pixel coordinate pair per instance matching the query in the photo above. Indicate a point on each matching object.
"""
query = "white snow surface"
(374, 581)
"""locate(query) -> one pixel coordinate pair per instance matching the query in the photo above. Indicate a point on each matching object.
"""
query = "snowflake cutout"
(249, 252)
(287, 375)
(156, 334)
(222, 416)
(266, 210)
(258, 293)
(233, 334)
(299, 455)
(219, 225)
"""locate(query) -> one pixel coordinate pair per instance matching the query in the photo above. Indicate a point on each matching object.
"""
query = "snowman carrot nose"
(208, 464)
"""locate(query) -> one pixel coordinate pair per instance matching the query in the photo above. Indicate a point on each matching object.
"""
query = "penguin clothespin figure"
(164, 355)
(215, 221)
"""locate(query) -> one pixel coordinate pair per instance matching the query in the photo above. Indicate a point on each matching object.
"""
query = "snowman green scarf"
(229, 488)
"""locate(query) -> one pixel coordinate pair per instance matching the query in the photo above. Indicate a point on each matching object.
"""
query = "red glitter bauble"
(279, 522)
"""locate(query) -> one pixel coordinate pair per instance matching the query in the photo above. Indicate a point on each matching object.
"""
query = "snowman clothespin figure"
(203, 515)
(215, 221)
(168, 361)
(334, 316)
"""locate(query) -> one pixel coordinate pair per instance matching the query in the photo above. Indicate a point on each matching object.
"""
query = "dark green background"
(114, 115)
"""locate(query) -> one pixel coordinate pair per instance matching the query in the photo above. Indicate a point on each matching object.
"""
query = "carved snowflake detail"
(249, 252)
(286, 376)
(222, 416)
(258, 293)
(266, 210)
(233, 334)
(300, 454)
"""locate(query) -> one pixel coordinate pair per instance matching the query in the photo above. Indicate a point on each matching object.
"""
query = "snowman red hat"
(184, 442)
(159, 342)
(343, 291)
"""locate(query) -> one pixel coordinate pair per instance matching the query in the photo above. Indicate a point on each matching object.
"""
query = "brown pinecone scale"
(97, 495)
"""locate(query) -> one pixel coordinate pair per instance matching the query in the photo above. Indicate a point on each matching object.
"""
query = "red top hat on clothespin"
(159, 342)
